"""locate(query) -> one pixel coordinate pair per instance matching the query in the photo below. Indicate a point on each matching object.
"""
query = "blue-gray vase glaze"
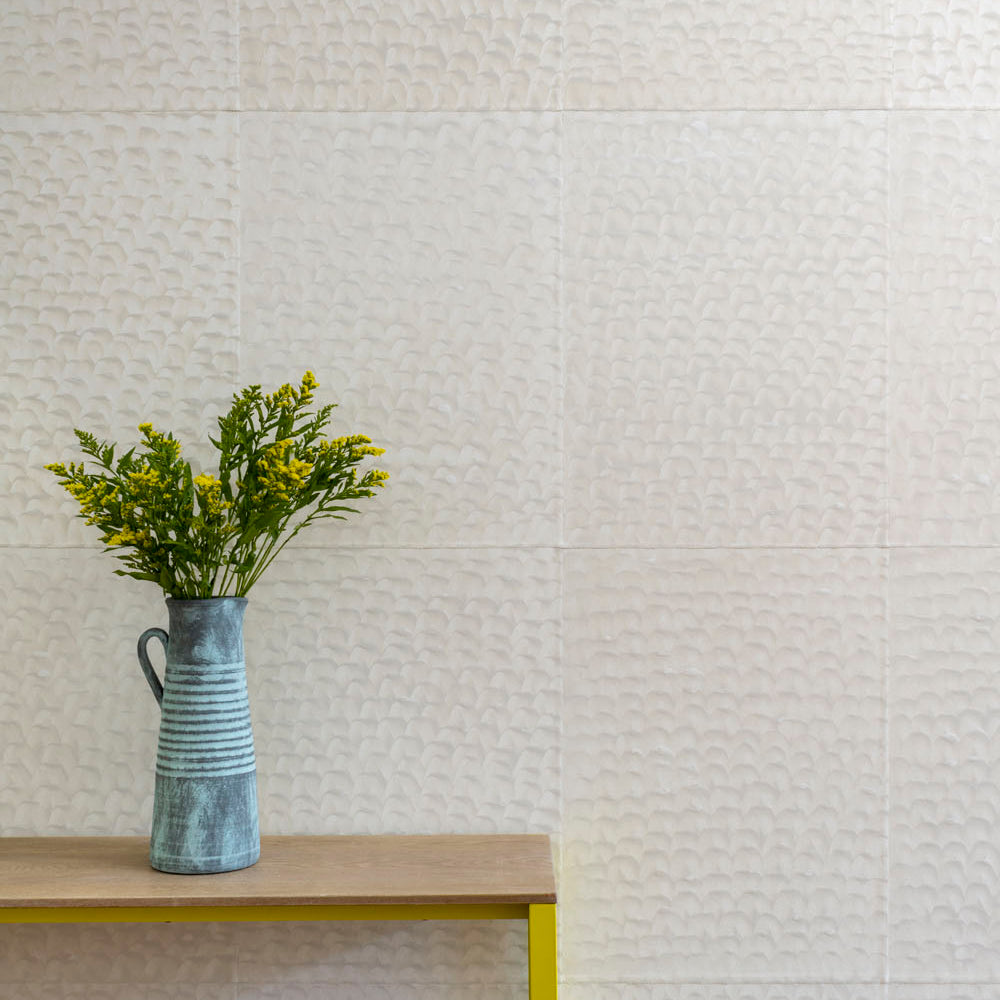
(205, 801)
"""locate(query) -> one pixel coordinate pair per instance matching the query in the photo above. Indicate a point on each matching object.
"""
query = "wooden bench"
(460, 877)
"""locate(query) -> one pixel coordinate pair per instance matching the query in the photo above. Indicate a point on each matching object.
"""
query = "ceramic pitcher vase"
(205, 799)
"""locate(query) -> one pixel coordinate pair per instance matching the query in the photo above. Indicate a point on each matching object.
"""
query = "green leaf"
(125, 461)
(188, 486)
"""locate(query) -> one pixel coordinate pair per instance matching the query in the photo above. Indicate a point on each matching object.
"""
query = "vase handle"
(147, 667)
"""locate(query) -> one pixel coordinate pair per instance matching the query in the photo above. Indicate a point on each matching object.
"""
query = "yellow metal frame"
(541, 917)
(542, 973)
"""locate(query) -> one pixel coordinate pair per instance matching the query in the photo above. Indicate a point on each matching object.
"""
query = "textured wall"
(678, 321)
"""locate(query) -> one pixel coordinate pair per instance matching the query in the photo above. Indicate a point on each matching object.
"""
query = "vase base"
(204, 866)
(204, 825)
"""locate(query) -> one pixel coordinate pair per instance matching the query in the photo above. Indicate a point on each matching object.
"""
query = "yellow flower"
(143, 478)
(92, 496)
(352, 441)
(284, 396)
(306, 389)
(167, 444)
(128, 536)
(210, 495)
(279, 474)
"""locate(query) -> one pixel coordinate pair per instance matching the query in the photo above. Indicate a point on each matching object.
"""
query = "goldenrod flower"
(280, 475)
(210, 495)
(217, 541)
(128, 536)
(143, 478)
(284, 397)
(306, 389)
(163, 443)
(206, 483)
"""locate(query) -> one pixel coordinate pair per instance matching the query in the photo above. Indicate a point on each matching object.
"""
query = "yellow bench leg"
(542, 975)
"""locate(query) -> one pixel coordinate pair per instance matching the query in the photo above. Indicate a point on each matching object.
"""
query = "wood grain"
(115, 871)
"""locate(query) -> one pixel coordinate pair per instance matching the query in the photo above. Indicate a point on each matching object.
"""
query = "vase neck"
(206, 631)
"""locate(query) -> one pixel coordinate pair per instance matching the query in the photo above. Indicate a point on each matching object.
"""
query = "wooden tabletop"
(115, 871)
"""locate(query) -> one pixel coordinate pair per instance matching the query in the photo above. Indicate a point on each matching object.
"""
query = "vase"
(205, 798)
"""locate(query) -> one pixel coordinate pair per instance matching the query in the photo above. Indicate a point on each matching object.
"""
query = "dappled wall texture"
(678, 323)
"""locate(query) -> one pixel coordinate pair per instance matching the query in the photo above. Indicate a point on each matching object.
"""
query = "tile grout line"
(239, 54)
(561, 265)
(887, 992)
(774, 981)
(887, 681)
(544, 546)
(561, 554)
(239, 200)
(887, 765)
(763, 109)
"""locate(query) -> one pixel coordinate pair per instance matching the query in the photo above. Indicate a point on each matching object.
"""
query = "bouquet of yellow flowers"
(206, 535)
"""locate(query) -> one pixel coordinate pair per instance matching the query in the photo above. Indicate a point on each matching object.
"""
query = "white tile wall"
(402, 691)
(377, 991)
(377, 961)
(118, 264)
(945, 370)
(36, 990)
(953, 991)
(745, 991)
(152, 959)
(678, 323)
(726, 54)
(79, 722)
(390, 959)
(725, 329)
(372, 243)
(724, 765)
(945, 765)
(410, 54)
(944, 54)
(118, 55)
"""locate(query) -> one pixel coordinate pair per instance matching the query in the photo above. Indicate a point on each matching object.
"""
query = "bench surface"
(292, 871)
